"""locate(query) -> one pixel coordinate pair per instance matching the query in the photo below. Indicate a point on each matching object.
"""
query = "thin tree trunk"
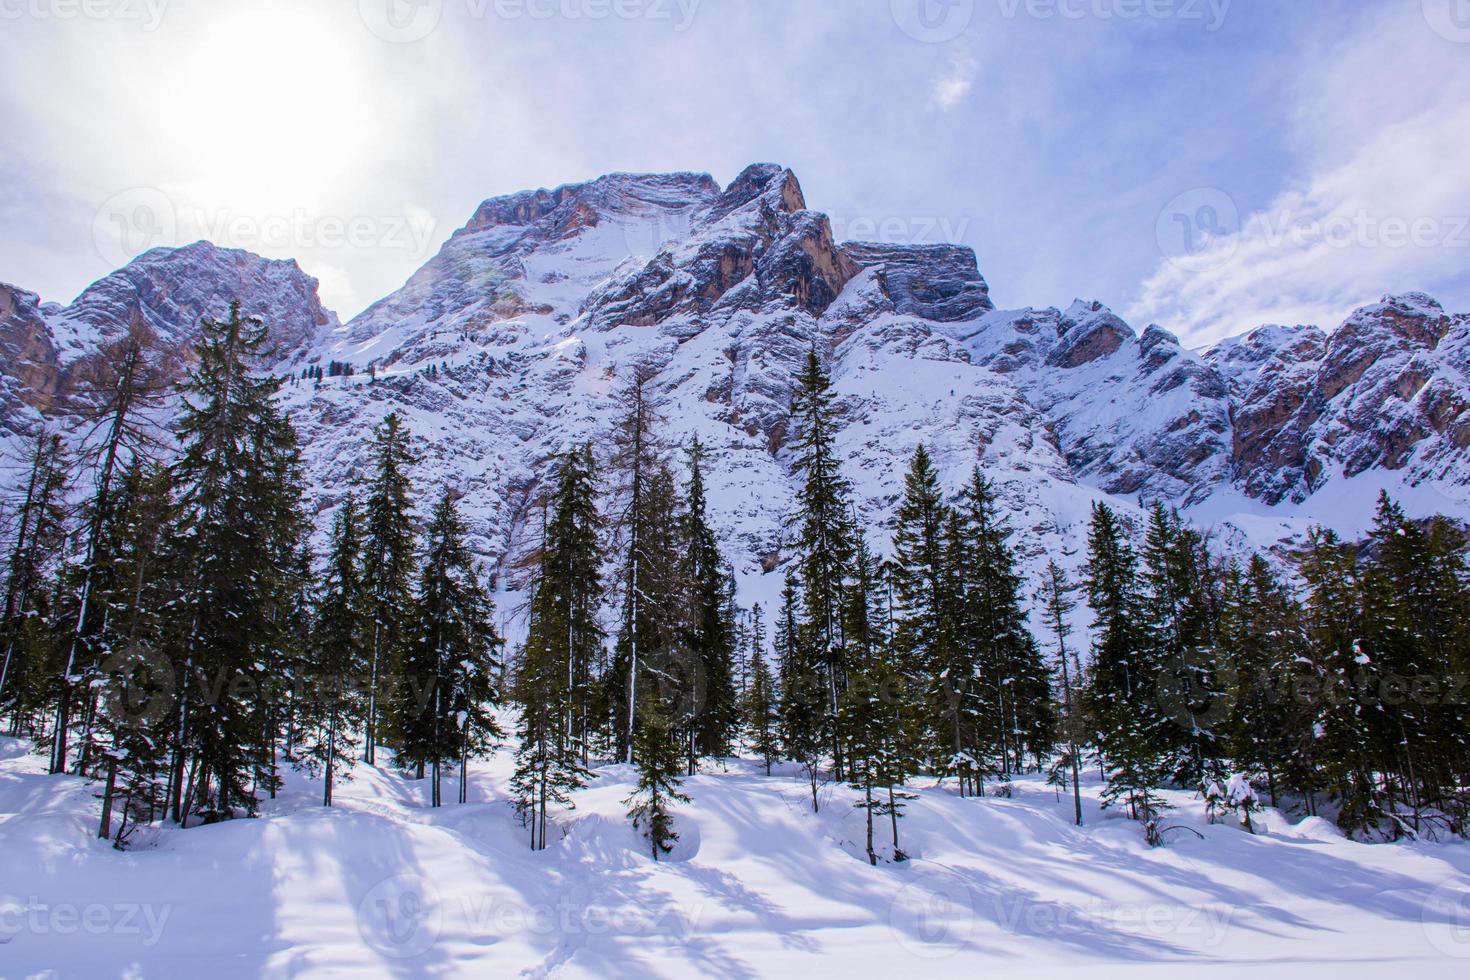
(868, 808)
(104, 830)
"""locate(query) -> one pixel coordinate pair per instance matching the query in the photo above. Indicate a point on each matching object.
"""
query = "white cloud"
(1382, 207)
(951, 89)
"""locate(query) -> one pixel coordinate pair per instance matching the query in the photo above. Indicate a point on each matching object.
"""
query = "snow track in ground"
(382, 885)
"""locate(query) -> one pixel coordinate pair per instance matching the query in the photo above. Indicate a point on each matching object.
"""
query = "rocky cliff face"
(1387, 390)
(167, 290)
(512, 342)
(1134, 414)
(29, 369)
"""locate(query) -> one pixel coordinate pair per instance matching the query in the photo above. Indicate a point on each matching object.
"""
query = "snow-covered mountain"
(532, 313)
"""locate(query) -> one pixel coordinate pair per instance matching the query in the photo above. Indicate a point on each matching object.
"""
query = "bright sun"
(271, 107)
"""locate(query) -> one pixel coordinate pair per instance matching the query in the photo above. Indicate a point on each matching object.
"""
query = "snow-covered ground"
(382, 885)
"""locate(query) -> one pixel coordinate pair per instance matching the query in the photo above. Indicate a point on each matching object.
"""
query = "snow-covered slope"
(380, 885)
(514, 339)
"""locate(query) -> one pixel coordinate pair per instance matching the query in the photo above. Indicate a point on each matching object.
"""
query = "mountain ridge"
(535, 307)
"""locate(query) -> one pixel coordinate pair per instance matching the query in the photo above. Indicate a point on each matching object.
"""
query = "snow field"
(383, 885)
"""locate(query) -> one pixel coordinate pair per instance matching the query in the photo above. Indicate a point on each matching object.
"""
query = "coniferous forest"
(170, 634)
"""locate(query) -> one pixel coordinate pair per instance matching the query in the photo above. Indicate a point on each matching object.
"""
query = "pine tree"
(554, 680)
(711, 638)
(1179, 653)
(41, 529)
(1057, 604)
(650, 805)
(125, 380)
(573, 567)
(762, 719)
(443, 703)
(240, 527)
(802, 689)
(875, 724)
(1120, 698)
(136, 681)
(336, 706)
(389, 562)
(649, 557)
(1265, 655)
(1350, 719)
(1414, 636)
(925, 615)
(825, 535)
(1016, 689)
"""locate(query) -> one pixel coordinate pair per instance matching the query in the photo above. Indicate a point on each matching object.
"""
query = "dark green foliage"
(825, 537)
(650, 806)
(711, 630)
(334, 706)
(446, 692)
(235, 542)
(389, 561)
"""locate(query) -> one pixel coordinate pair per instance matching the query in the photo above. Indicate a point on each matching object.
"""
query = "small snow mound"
(601, 840)
(1311, 828)
(686, 848)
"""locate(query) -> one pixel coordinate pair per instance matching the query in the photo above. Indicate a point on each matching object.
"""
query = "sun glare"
(272, 107)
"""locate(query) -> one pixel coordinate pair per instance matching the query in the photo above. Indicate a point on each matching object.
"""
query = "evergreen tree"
(335, 708)
(239, 485)
(40, 534)
(650, 562)
(446, 692)
(1179, 652)
(389, 562)
(650, 805)
(1057, 604)
(1351, 720)
(925, 600)
(875, 725)
(137, 681)
(1016, 692)
(1263, 649)
(802, 689)
(762, 719)
(125, 380)
(711, 639)
(1120, 699)
(1414, 634)
(554, 681)
(825, 535)
(572, 572)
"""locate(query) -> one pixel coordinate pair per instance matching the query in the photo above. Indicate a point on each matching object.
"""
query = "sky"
(1209, 165)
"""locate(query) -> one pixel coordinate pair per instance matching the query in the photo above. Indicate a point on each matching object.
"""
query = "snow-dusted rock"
(514, 339)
